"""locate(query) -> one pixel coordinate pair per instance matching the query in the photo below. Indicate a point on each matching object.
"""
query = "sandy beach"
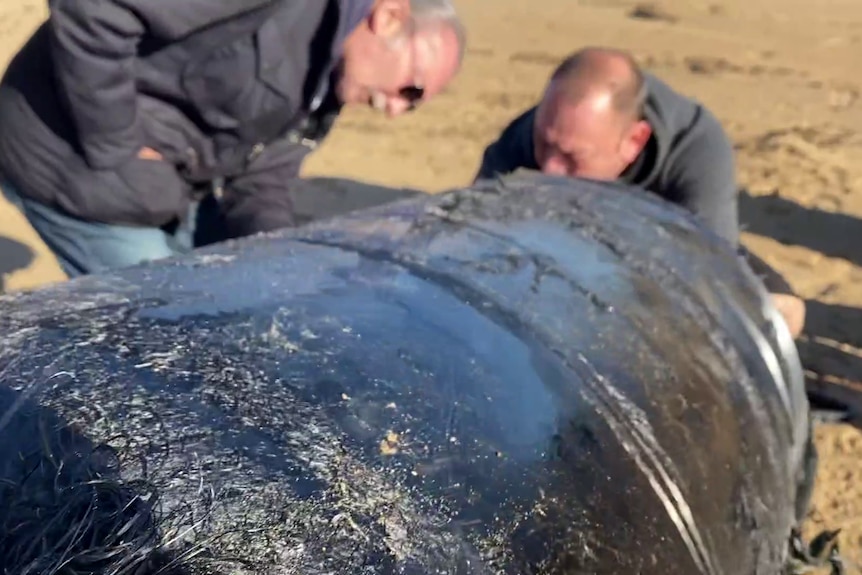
(777, 73)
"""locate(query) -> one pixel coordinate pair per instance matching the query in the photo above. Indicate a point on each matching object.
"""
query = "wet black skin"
(534, 375)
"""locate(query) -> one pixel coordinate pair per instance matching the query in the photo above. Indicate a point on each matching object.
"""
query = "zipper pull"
(256, 151)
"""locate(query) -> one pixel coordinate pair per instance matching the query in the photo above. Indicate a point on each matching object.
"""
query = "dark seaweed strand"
(76, 515)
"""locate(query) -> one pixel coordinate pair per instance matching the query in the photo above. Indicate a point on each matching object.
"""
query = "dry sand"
(777, 72)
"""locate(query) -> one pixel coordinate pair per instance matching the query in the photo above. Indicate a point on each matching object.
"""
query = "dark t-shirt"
(689, 159)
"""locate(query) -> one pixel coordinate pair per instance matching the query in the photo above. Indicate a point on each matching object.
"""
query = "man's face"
(389, 65)
(588, 139)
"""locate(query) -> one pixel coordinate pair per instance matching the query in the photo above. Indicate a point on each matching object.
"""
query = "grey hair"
(441, 13)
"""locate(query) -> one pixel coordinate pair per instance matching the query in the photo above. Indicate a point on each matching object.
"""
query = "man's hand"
(149, 154)
(792, 309)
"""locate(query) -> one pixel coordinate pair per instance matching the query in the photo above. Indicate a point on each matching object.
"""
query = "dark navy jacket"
(689, 159)
(231, 89)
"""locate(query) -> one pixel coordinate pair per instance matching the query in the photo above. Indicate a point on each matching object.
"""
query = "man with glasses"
(133, 130)
(602, 118)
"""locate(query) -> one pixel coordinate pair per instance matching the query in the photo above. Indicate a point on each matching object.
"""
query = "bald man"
(603, 118)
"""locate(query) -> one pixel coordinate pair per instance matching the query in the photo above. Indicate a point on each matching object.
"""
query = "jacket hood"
(351, 13)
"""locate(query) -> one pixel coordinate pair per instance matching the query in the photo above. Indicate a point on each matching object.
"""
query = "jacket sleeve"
(260, 199)
(703, 179)
(513, 149)
(492, 162)
(94, 46)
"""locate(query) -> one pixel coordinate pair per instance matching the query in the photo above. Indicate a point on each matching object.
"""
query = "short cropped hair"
(629, 97)
(441, 12)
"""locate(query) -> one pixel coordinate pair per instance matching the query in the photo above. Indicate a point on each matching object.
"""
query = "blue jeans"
(84, 247)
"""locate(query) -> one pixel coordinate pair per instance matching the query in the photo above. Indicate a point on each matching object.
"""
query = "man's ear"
(388, 18)
(636, 139)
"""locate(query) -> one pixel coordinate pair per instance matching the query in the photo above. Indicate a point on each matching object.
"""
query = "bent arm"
(704, 180)
(492, 163)
(512, 150)
(94, 46)
(260, 200)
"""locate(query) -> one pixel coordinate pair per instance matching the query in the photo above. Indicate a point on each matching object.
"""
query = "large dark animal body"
(532, 376)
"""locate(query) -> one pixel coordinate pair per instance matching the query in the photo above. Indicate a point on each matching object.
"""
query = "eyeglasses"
(413, 95)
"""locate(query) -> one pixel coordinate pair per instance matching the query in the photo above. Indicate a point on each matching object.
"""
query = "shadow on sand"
(832, 234)
(831, 347)
(831, 353)
(13, 256)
